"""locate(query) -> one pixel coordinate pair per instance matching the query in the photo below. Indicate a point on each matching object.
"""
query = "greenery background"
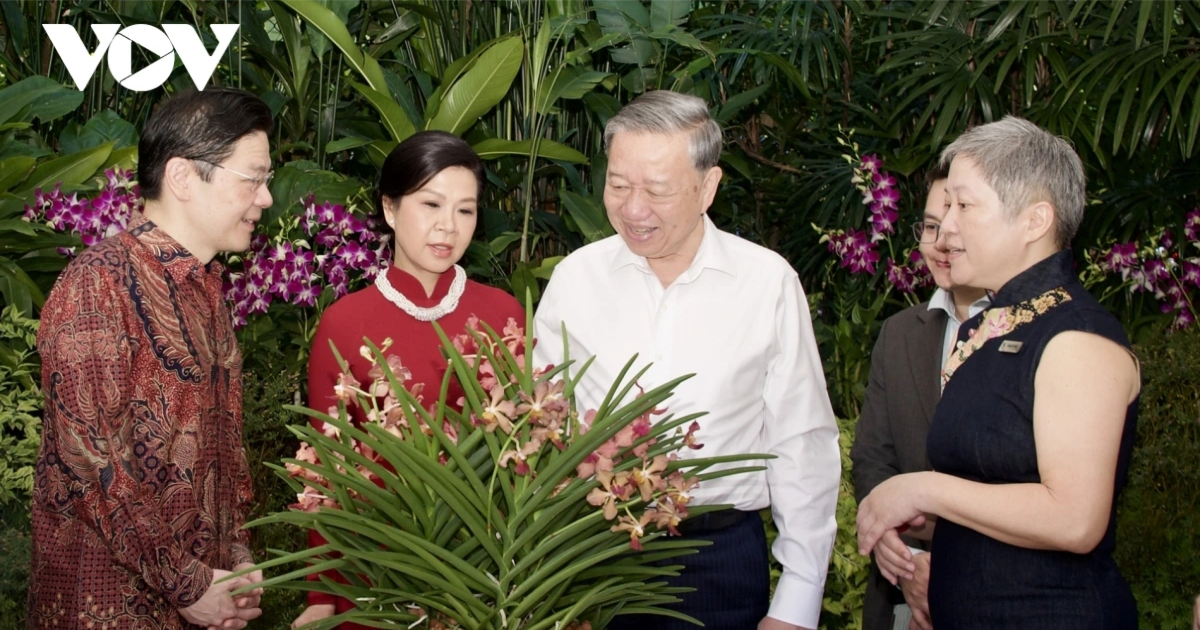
(530, 84)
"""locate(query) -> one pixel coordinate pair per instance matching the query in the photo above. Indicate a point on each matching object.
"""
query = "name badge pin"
(1011, 347)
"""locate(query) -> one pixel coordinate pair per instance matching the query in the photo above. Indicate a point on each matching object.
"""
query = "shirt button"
(663, 307)
(658, 357)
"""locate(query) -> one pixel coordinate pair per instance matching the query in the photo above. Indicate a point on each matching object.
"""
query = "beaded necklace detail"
(425, 314)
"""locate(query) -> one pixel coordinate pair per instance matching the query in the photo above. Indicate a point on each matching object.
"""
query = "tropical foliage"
(1158, 520)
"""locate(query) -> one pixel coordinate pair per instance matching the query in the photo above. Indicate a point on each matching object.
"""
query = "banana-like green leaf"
(668, 13)
(544, 270)
(18, 288)
(39, 97)
(19, 225)
(478, 91)
(125, 158)
(71, 169)
(566, 83)
(407, 20)
(588, 214)
(378, 151)
(345, 144)
(541, 46)
(335, 29)
(14, 170)
(736, 102)
(394, 118)
(604, 105)
(493, 148)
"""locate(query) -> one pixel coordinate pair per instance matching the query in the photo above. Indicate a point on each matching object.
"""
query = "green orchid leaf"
(427, 516)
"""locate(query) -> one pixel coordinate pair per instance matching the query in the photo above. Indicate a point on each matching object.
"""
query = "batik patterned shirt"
(142, 485)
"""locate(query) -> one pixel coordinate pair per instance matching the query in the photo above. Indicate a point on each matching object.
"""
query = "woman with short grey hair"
(1030, 443)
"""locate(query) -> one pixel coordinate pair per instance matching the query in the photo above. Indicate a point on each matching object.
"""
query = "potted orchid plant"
(506, 508)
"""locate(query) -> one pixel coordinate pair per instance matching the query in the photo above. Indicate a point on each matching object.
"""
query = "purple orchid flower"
(1121, 257)
(887, 197)
(1183, 319)
(900, 277)
(1190, 273)
(1191, 226)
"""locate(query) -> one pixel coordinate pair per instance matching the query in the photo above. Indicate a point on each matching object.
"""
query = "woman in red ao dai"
(428, 192)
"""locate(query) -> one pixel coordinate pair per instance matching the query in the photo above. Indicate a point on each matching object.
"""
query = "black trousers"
(731, 577)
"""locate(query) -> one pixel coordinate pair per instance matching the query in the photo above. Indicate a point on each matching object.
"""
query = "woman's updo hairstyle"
(419, 159)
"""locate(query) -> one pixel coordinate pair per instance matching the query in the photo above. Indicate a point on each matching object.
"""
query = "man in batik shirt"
(142, 485)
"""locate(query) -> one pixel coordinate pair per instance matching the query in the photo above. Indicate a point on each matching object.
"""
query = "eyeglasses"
(926, 231)
(263, 180)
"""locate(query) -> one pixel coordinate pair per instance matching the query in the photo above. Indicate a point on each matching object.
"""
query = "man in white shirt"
(902, 392)
(690, 298)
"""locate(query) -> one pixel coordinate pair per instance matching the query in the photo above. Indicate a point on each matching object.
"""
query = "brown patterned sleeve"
(86, 368)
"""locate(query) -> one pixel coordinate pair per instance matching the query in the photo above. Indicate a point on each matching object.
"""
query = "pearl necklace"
(432, 313)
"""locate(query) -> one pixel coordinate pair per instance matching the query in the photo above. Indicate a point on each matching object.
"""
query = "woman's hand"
(892, 505)
(314, 613)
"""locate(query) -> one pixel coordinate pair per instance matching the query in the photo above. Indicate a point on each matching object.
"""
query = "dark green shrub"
(20, 427)
(14, 569)
(1158, 519)
(267, 440)
(20, 406)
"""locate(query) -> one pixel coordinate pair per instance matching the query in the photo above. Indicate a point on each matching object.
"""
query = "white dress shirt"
(737, 318)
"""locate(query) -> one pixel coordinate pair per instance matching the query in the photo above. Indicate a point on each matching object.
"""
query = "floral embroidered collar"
(1056, 271)
(1033, 293)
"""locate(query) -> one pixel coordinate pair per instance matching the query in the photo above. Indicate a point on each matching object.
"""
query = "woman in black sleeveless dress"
(1031, 440)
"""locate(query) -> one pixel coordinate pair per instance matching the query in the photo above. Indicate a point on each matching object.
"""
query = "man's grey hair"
(1026, 164)
(667, 112)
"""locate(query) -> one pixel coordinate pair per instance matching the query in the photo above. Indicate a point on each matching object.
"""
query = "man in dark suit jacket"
(902, 392)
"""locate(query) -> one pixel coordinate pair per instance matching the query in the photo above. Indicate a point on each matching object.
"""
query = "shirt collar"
(411, 288)
(175, 258)
(712, 254)
(943, 300)
(1055, 271)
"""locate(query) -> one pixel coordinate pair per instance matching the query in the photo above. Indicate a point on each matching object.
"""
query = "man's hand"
(216, 609)
(916, 593)
(894, 559)
(313, 613)
(251, 599)
(771, 623)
